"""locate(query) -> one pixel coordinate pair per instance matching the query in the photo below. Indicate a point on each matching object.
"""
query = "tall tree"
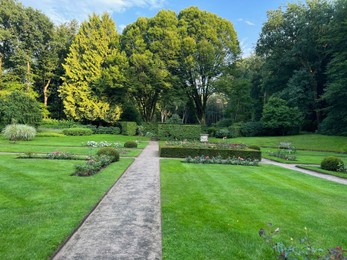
(208, 44)
(295, 58)
(24, 34)
(93, 53)
(151, 46)
(336, 91)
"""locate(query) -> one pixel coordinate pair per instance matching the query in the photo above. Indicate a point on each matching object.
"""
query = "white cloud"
(249, 23)
(245, 21)
(66, 10)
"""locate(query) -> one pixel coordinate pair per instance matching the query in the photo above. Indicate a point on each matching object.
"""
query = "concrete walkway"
(127, 222)
(312, 173)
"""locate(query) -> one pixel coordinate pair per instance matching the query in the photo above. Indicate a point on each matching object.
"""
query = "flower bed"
(219, 160)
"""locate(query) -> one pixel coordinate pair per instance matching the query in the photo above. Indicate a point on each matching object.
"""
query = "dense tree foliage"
(93, 65)
(20, 108)
(208, 44)
(185, 66)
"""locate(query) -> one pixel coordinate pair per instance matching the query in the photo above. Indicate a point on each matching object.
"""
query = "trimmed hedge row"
(77, 131)
(179, 132)
(128, 128)
(183, 152)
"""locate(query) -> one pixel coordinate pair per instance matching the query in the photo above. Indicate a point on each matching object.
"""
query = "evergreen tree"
(93, 65)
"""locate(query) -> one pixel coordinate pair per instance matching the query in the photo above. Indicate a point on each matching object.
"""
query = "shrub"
(60, 155)
(15, 132)
(77, 131)
(174, 119)
(92, 166)
(179, 132)
(151, 128)
(254, 147)
(252, 129)
(224, 122)
(109, 151)
(223, 133)
(235, 130)
(212, 131)
(112, 130)
(332, 163)
(130, 144)
(58, 124)
(20, 107)
(101, 144)
(128, 128)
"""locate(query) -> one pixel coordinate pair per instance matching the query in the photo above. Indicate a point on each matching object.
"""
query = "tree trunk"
(28, 77)
(45, 96)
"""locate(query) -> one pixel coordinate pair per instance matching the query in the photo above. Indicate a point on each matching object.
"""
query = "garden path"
(127, 222)
(312, 173)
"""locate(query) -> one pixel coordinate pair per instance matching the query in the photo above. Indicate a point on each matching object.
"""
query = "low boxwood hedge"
(183, 152)
(77, 131)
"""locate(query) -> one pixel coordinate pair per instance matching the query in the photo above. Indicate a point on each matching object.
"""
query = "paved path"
(127, 222)
(316, 174)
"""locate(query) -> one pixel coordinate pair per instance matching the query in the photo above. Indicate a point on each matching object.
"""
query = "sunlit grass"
(216, 211)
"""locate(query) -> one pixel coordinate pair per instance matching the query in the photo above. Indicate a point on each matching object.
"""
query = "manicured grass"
(76, 140)
(318, 169)
(305, 141)
(304, 157)
(41, 204)
(71, 144)
(216, 211)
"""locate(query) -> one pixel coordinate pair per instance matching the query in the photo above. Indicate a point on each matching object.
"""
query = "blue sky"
(247, 16)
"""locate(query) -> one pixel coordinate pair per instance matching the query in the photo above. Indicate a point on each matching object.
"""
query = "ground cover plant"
(216, 211)
(220, 160)
(41, 203)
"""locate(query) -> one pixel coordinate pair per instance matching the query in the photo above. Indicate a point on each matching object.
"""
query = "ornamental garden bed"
(223, 150)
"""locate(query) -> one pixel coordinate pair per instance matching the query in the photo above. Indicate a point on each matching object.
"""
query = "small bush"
(252, 129)
(130, 144)
(254, 147)
(212, 131)
(223, 133)
(15, 132)
(112, 130)
(77, 131)
(226, 122)
(332, 163)
(109, 151)
(92, 166)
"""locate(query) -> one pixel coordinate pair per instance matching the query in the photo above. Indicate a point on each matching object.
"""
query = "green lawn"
(216, 211)
(41, 203)
(305, 141)
(71, 144)
(305, 157)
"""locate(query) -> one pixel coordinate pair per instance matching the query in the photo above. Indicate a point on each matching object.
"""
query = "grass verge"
(216, 211)
(41, 203)
(319, 170)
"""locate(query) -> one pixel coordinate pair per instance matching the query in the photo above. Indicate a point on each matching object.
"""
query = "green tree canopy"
(281, 118)
(208, 44)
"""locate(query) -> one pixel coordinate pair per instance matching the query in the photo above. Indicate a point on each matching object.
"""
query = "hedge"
(179, 132)
(77, 131)
(183, 152)
(128, 128)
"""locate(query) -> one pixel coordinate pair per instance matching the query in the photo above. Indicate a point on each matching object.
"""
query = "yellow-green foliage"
(91, 67)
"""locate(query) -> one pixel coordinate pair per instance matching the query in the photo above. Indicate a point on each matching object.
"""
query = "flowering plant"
(219, 160)
(60, 155)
